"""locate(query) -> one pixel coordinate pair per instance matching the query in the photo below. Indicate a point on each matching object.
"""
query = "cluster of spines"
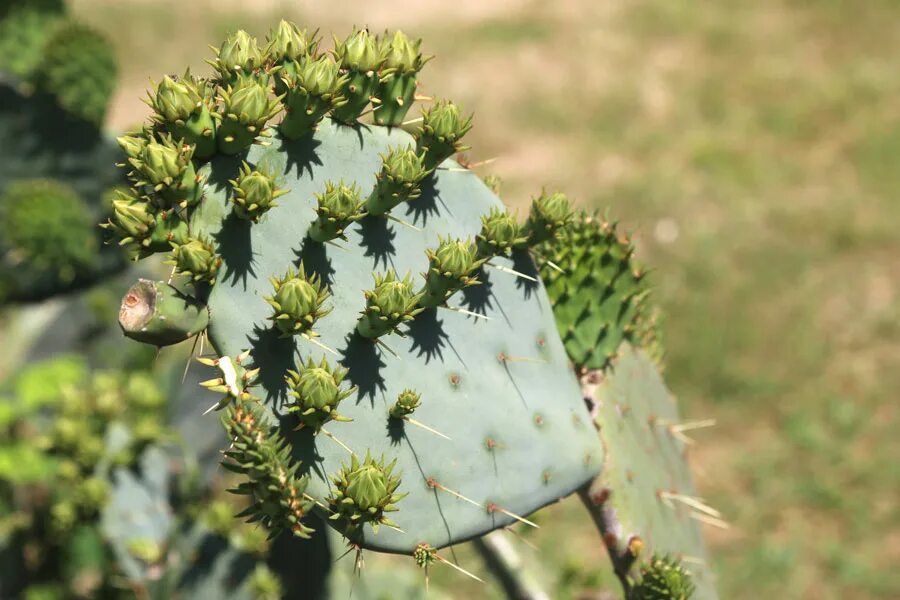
(277, 495)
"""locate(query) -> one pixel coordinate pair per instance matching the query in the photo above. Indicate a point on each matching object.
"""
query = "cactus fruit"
(24, 29)
(78, 68)
(238, 59)
(397, 88)
(407, 402)
(644, 500)
(357, 198)
(183, 107)
(599, 293)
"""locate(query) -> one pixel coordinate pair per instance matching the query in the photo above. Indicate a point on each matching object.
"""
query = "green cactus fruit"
(245, 110)
(600, 296)
(144, 229)
(549, 214)
(299, 301)
(397, 89)
(638, 498)
(338, 207)
(364, 492)
(163, 169)
(450, 268)
(196, 258)
(389, 304)
(360, 57)
(407, 402)
(663, 578)
(402, 171)
(288, 47)
(25, 27)
(499, 234)
(182, 108)
(317, 391)
(442, 129)
(46, 227)
(310, 91)
(239, 58)
(254, 192)
(78, 69)
(277, 494)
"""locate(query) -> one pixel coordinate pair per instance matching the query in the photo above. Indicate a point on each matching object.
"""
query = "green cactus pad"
(79, 70)
(600, 296)
(520, 435)
(644, 461)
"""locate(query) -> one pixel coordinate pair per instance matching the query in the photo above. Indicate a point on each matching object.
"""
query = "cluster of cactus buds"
(364, 492)
(442, 129)
(183, 107)
(450, 268)
(407, 402)
(401, 173)
(389, 304)
(499, 234)
(254, 192)
(549, 214)
(397, 88)
(317, 391)
(337, 207)
(311, 90)
(277, 494)
(663, 578)
(298, 302)
(196, 258)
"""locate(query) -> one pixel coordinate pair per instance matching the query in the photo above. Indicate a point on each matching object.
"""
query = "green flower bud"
(360, 56)
(317, 391)
(175, 100)
(287, 42)
(389, 304)
(182, 108)
(407, 402)
(298, 302)
(254, 192)
(425, 555)
(403, 55)
(442, 129)
(549, 212)
(397, 87)
(499, 234)
(313, 89)
(132, 145)
(364, 492)
(196, 258)
(449, 269)
(166, 168)
(399, 180)
(246, 108)
(237, 57)
(663, 579)
(338, 207)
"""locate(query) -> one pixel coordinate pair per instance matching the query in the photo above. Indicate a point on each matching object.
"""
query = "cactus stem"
(466, 312)
(425, 427)
(691, 501)
(492, 508)
(503, 269)
(402, 222)
(339, 442)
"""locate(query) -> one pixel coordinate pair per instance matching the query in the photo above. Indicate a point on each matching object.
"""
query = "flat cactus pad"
(498, 386)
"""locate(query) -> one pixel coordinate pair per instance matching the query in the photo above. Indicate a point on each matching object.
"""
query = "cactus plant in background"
(386, 279)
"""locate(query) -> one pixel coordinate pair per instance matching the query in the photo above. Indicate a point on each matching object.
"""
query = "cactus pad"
(644, 467)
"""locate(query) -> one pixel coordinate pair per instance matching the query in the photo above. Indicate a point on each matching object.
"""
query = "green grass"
(769, 132)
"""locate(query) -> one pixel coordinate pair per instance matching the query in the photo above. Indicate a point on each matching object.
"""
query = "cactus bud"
(143, 229)
(132, 145)
(165, 167)
(397, 88)
(181, 109)
(298, 302)
(360, 56)
(197, 258)
(441, 132)
(254, 193)
(389, 304)
(364, 492)
(246, 108)
(663, 579)
(398, 181)
(407, 402)
(424, 555)
(317, 392)
(237, 58)
(312, 90)
(549, 212)
(499, 234)
(337, 208)
(449, 269)
(288, 48)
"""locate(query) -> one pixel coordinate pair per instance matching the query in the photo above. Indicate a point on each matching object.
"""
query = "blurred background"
(752, 149)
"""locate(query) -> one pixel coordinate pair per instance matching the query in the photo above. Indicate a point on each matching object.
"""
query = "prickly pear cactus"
(25, 27)
(644, 499)
(599, 293)
(344, 265)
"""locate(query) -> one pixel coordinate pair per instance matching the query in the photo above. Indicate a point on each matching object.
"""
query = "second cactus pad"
(513, 432)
